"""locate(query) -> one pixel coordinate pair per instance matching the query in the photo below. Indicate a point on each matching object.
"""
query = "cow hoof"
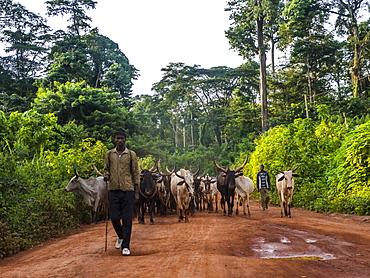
(152, 223)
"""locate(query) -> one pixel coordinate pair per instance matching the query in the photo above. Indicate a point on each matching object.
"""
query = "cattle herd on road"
(185, 192)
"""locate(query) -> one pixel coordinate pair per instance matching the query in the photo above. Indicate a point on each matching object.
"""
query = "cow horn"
(295, 169)
(196, 174)
(141, 166)
(159, 166)
(171, 172)
(152, 169)
(181, 177)
(220, 168)
(76, 173)
(97, 171)
(279, 171)
(241, 167)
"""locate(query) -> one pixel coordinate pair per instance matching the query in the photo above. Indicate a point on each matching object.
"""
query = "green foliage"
(34, 206)
(333, 161)
(349, 174)
(92, 58)
(96, 109)
(80, 21)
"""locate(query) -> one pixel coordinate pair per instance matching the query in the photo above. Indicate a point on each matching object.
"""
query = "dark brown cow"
(226, 185)
(148, 193)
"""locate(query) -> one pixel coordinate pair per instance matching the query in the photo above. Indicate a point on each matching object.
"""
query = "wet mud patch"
(292, 244)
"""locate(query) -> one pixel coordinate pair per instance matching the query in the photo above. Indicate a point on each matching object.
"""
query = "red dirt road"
(210, 245)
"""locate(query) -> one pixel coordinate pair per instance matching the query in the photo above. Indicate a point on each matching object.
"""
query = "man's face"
(120, 140)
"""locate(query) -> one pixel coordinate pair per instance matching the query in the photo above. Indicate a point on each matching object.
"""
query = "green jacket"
(122, 169)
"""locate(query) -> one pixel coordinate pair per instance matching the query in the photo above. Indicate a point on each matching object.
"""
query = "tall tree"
(93, 58)
(252, 20)
(198, 95)
(347, 24)
(305, 17)
(26, 38)
(80, 22)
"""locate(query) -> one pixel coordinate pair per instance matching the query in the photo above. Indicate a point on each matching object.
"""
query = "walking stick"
(106, 216)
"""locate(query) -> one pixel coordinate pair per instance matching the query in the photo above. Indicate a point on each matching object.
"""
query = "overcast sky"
(153, 34)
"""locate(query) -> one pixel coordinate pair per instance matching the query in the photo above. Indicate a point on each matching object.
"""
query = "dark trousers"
(121, 205)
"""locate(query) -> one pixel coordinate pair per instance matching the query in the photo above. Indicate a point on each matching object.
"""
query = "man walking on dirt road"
(122, 172)
(263, 186)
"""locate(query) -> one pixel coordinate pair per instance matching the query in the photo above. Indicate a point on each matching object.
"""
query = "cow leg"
(93, 216)
(141, 210)
(223, 203)
(243, 204)
(286, 208)
(230, 203)
(180, 214)
(151, 210)
(249, 213)
(191, 206)
(281, 204)
(186, 212)
(237, 205)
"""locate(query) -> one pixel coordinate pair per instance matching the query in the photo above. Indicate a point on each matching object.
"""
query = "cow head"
(187, 179)
(227, 176)
(165, 178)
(207, 183)
(78, 185)
(288, 177)
(148, 181)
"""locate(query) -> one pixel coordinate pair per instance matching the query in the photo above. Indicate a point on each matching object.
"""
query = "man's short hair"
(120, 131)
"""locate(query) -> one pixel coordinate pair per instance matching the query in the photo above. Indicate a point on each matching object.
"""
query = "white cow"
(93, 191)
(210, 191)
(244, 187)
(182, 190)
(285, 188)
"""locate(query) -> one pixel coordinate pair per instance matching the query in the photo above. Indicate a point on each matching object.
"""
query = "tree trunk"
(184, 136)
(263, 87)
(191, 129)
(356, 72)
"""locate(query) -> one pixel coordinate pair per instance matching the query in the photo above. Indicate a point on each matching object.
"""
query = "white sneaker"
(125, 251)
(118, 243)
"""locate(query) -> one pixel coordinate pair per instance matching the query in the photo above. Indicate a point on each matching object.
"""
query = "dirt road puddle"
(291, 244)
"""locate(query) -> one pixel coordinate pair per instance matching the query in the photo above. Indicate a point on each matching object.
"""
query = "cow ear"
(224, 176)
(180, 183)
(239, 175)
(295, 175)
(281, 178)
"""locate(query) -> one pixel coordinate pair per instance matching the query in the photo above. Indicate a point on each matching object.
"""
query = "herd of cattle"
(184, 191)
